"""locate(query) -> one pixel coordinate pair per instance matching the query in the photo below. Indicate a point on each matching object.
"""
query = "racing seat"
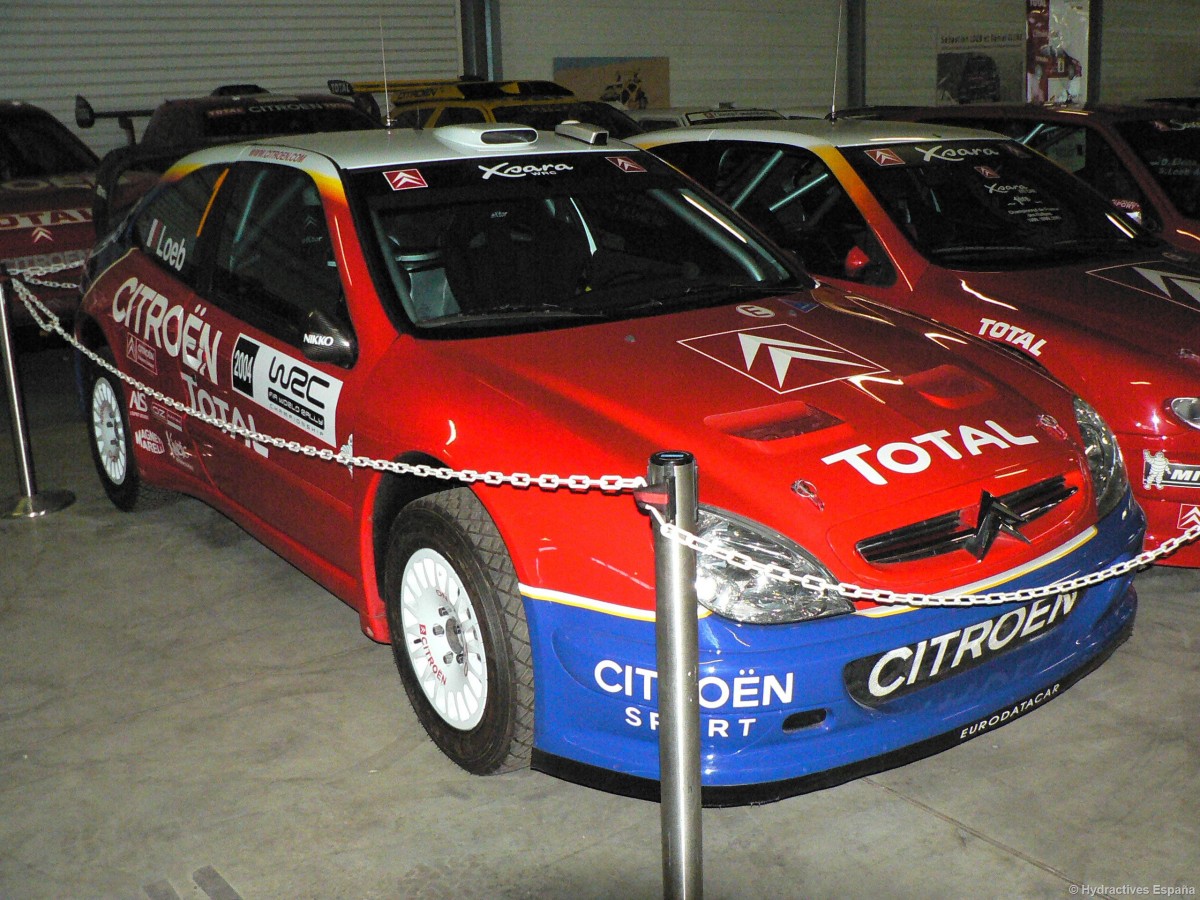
(513, 255)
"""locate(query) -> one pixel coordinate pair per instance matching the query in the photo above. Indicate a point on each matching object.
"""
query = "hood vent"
(773, 423)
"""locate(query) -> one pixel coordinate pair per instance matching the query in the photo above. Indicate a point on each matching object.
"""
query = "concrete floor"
(183, 714)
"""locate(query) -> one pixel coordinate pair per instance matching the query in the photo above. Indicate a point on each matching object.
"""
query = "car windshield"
(544, 116)
(538, 242)
(991, 205)
(283, 117)
(1170, 149)
(33, 145)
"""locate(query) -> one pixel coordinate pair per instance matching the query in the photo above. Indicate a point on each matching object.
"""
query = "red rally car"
(983, 234)
(313, 327)
(46, 182)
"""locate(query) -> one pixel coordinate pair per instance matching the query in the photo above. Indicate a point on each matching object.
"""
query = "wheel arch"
(394, 492)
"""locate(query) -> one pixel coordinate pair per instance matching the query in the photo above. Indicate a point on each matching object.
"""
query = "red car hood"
(46, 221)
(828, 422)
(1159, 296)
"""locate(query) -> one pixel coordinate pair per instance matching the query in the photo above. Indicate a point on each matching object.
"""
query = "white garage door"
(130, 54)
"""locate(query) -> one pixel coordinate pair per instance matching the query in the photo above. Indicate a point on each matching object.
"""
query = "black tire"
(459, 634)
(112, 442)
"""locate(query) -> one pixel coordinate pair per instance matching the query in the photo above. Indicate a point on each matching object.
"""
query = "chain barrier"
(47, 321)
(883, 596)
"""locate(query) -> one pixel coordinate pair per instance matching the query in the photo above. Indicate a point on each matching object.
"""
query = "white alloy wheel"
(108, 431)
(443, 638)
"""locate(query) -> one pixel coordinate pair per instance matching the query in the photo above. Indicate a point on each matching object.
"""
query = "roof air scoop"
(485, 136)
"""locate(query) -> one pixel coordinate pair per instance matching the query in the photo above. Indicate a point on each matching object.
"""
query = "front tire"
(459, 634)
(112, 443)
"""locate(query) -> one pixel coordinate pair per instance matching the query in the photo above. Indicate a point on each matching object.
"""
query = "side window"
(274, 262)
(1065, 144)
(460, 115)
(168, 226)
(412, 117)
(1088, 155)
(792, 196)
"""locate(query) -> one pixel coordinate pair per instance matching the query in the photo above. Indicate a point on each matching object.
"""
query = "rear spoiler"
(86, 116)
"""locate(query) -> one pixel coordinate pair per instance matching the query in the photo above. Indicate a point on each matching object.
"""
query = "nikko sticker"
(783, 358)
(287, 387)
(405, 179)
(625, 164)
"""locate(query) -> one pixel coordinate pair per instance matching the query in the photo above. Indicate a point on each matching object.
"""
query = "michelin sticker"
(290, 388)
(1159, 472)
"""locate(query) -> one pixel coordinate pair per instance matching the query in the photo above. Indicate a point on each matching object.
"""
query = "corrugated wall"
(135, 53)
(751, 53)
(1151, 48)
(772, 52)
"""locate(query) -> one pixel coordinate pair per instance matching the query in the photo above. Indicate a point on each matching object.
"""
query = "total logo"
(783, 358)
(912, 456)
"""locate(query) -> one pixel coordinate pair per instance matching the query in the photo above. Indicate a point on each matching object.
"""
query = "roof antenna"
(388, 122)
(837, 53)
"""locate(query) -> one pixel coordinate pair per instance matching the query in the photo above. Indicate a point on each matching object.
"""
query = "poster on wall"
(635, 82)
(979, 66)
(1056, 42)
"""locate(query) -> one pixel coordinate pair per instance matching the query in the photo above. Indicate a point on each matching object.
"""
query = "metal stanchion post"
(29, 503)
(672, 479)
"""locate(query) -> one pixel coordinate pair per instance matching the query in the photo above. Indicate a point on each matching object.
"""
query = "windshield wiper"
(510, 313)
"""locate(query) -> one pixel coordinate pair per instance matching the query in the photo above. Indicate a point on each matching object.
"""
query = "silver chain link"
(883, 596)
(47, 321)
(609, 484)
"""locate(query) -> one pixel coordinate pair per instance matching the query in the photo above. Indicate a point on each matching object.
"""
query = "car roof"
(1052, 112)
(824, 132)
(426, 91)
(352, 150)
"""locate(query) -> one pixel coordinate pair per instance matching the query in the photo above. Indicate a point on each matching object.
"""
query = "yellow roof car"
(538, 104)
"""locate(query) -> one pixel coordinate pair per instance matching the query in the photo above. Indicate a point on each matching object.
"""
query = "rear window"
(297, 117)
(34, 145)
(1170, 148)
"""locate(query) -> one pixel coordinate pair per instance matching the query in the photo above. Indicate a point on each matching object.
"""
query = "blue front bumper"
(791, 708)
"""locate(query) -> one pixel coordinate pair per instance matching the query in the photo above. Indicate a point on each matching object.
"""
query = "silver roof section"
(844, 132)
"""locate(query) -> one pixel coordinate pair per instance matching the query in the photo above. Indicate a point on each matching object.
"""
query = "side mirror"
(856, 262)
(323, 339)
(85, 116)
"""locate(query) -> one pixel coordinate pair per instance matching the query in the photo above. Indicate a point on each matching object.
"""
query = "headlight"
(1187, 410)
(1109, 481)
(750, 596)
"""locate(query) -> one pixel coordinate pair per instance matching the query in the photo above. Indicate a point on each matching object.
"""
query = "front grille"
(949, 531)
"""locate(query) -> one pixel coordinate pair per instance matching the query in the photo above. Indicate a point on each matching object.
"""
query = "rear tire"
(112, 443)
(459, 634)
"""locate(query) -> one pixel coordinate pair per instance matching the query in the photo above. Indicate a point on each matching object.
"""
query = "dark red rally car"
(1144, 158)
(982, 233)
(46, 181)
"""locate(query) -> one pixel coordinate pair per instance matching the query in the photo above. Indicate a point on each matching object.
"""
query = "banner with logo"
(1056, 44)
(634, 82)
